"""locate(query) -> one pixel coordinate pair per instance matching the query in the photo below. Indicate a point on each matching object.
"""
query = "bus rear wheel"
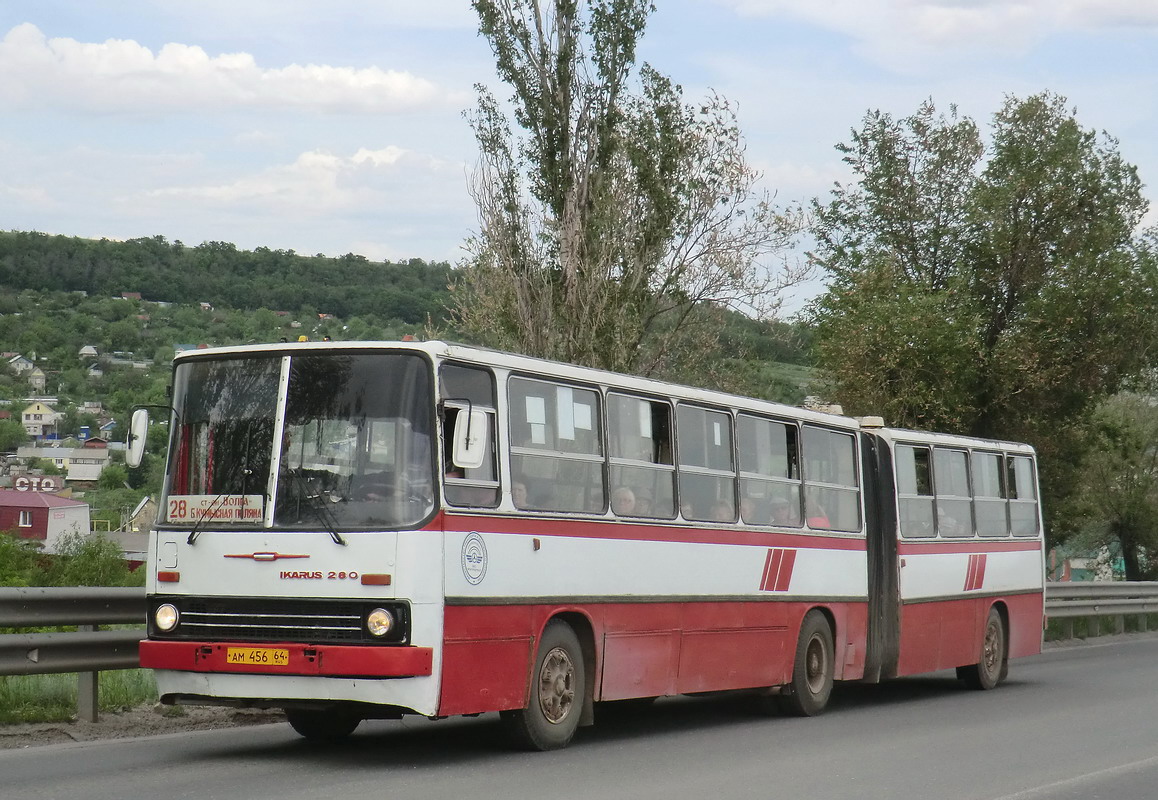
(812, 671)
(994, 665)
(326, 725)
(558, 686)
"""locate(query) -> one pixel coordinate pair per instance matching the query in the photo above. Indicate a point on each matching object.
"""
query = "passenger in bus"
(466, 495)
(723, 512)
(947, 525)
(784, 513)
(623, 502)
(750, 512)
(643, 506)
(817, 516)
(519, 494)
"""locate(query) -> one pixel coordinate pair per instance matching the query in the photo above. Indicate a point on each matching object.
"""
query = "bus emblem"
(474, 559)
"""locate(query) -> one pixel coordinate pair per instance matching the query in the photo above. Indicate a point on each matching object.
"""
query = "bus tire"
(324, 725)
(993, 665)
(558, 684)
(812, 670)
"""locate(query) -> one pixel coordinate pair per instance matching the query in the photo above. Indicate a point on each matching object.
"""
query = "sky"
(337, 127)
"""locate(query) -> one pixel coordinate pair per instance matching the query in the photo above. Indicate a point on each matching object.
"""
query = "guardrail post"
(1120, 624)
(87, 689)
(1142, 622)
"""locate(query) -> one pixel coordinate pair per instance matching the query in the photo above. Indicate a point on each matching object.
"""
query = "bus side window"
(914, 491)
(639, 451)
(461, 388)
(707, 477)
(831, 484)
(556, 447)
(1022, 496)
(951, 480)
(769, 472)
(989, 494)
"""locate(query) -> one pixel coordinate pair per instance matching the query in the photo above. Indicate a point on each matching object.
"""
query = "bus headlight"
(165, 617)
(379, 622)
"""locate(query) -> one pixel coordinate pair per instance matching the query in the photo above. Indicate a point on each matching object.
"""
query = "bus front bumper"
(288, 659)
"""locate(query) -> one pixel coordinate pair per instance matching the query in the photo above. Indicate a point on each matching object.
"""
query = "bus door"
(882, 648)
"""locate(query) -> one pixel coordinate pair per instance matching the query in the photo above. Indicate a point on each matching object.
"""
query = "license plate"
(266, 656)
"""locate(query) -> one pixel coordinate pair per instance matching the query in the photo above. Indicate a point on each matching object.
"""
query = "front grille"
(256, 619)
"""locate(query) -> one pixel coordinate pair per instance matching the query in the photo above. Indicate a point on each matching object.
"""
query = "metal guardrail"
(86, 652)
(89, 651)
(1093, 600)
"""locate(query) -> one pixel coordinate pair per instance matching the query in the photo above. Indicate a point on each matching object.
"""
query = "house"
(84, 464)
(130, 295)
(88, 351)
(18, 363)
(39, 420)
(37, 379)
(42, 516)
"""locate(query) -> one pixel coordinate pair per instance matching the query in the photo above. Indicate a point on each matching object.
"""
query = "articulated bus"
(357, 530)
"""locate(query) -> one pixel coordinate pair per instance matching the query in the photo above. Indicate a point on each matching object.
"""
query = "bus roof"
(531, 365)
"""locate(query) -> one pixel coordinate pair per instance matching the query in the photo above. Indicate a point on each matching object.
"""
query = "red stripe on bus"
(767, 570)
(785, 576)
(979, 573)
(970, 546)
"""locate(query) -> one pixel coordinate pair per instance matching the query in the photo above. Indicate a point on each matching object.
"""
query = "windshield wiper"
(316, 502)
(206, 514)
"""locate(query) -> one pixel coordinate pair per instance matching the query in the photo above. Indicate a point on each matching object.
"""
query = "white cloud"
(319, 183)
(907, 35)
(120, 75)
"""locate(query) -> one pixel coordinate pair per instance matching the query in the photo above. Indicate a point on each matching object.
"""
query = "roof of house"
(11, 497)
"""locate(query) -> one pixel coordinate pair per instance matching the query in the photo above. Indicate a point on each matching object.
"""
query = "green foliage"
(990, 290)
(46, 466)
(89, 559)
(20, 561)
(81, 559)
(52, 698)
(212, 272)
(1116, 503)
(12, 435)
(618, 222)
(114, 476)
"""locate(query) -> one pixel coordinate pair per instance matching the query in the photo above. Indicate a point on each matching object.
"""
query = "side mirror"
(470, 439)
(138, 432)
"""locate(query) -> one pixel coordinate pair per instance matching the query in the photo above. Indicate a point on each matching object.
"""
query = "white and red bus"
(369, 529)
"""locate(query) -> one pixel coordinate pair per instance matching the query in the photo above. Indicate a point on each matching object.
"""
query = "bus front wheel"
(807, 695)
(993, 666)
(558, 685)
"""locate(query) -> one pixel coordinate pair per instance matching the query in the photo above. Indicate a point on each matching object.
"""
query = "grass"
(52, 698)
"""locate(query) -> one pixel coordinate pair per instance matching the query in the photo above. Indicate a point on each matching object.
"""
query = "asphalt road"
(1076, 722)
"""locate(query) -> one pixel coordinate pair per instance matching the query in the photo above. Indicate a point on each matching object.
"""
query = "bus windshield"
(355, 451)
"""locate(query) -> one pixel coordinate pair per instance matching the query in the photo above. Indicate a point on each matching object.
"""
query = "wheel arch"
(585, 632)
(838, 643)
(1007, 633)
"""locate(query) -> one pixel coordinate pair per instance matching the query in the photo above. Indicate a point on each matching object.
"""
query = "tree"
(12, 435)
(1117, 502)
(618, 217)
(985, 290)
